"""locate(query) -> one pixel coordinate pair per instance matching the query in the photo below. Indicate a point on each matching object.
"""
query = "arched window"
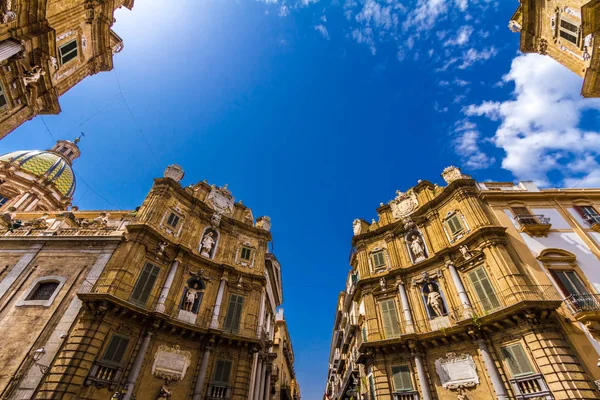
(43, 290)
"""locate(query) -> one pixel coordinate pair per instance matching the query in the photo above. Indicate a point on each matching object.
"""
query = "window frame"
(175, 231)
(248, 250)
(452, 235)
(234, 329)
(575, 34)
(158, 270)
(3, 94)
(562, 287)
(34, 286)
(488, 297)
(242, 261)
(410, 380)
(215, 369)
(374, 255)
(119, 363)
(61, 55)
(393, 315)
(504, 351)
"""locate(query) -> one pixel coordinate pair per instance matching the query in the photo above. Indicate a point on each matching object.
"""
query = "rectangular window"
(3, 101)
(3, 200)
(115, 350)
(455, 224)
(222, 372)
(517, 360)
(389, 316)
(68, 51)
(173, 220)
(589, 214)
(246, 253)
(145, 283)
(569, 282)
(484, 289)
(234, 313)
(401, 378)
(569, 31)
(378, 259)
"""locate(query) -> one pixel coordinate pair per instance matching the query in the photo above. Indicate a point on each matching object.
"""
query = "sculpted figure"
(190, 298)
(165, 393)
(207, 244)
(434, 299)
(382, 283)
(38, 223)
(417, 247)
(465, 251)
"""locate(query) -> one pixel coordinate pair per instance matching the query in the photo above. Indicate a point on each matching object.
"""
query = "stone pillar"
(423, 381)
(201, 378)
(492, 370)
(263, 372)
(410, 328)
(253, 376)
(261, 313)
(164, 293)
(268, 385)
(460, 288)
(137, 366)
(214, 324)
(256, 391)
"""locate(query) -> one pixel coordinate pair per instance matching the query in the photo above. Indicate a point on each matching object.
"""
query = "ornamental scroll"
(457, 371)
(171, 363)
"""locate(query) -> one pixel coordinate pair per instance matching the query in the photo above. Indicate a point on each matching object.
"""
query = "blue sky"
(316, 111)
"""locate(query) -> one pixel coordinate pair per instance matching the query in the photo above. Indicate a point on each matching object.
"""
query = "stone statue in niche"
(165, 393)
(357, 227)
(192, 295)
(417, 248)
(382, 283)
(435, 301)
(464, 250)
(208, 243)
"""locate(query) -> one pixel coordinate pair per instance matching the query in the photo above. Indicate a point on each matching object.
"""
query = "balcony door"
(576, 293)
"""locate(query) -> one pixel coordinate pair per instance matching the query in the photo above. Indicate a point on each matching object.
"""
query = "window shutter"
(455, 224)
(389, 316)
(517, 360)
(234, 313)
(222, 372)
(401, 378)
(116, 349)
(145, 283)
(483, 289)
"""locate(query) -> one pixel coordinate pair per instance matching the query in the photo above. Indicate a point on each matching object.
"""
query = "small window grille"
(43, 291)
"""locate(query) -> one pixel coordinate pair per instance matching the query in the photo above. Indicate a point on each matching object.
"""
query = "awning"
(9, 48)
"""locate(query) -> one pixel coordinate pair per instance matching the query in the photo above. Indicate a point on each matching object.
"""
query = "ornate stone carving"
(209, 240)
(382, 283)
(542, 46)
(416, 246)
(8, 219)
(248, 217)
(426, 277)
(456, 372)
(466, 253)
(435, 300)
(37, 223)
(404, 204)
(264, 223)
(452, 173)
(174, 172)
(215, 220)
(220, 199)
(33, 75)
(99, 222)
(357, 227)
(6, 13)
(171, 362)
(165, 393)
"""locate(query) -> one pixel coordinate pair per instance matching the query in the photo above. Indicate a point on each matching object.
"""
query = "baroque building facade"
(176, 299)
(471, 291)
(566, 30)
(46, 48)
(286, 386)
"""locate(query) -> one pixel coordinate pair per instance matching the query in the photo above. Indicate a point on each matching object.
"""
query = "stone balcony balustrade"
(534, 225)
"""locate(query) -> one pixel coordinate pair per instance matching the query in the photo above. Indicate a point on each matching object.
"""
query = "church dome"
(52, 166)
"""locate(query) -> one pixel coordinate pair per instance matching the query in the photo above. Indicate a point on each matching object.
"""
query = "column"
(214, 324)
(410, 328)
(256, 391)
(137, 366)
(268, 385)
(201, 378)
(263, 372)
(164, 293)
(492, 371)
(460, 288)
(423, 381)
(261, 313)
(253, 376)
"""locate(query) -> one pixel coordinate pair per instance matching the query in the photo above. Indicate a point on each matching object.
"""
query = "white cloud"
(540, 128)
(365, 35)
(284, 11)
(373, 14)
(466, 144)
(462, 36)
(322, 30)
(473, 56)
(426, 14)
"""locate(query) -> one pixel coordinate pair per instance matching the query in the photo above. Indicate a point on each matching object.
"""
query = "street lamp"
(37, 356)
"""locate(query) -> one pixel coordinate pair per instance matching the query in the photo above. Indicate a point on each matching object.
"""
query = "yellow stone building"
(566, 30)
(471, 291)
(46, 48)
(176, 299)
(286, 386)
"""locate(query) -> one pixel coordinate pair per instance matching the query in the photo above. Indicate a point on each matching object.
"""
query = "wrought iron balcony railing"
(531, 387)
(580, 303)
(411, 395)
(593, 220)
(534, 225)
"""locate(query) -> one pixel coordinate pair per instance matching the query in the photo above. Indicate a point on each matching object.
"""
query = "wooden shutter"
(569, 283)
(378, 259)
(455, 224)
(517, 360)
(145, 283)
(389, 316)
(173, 220)
(116, 349)
(401, 378)
(222, 372)
(234, 313)
(484, 289)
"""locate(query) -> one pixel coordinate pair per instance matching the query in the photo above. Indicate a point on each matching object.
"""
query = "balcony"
(593, 221)
(412, 395)
(585, 307)
(104, 375)
(531, 387)
(218, 391)
(119, 294)
(534, 225)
